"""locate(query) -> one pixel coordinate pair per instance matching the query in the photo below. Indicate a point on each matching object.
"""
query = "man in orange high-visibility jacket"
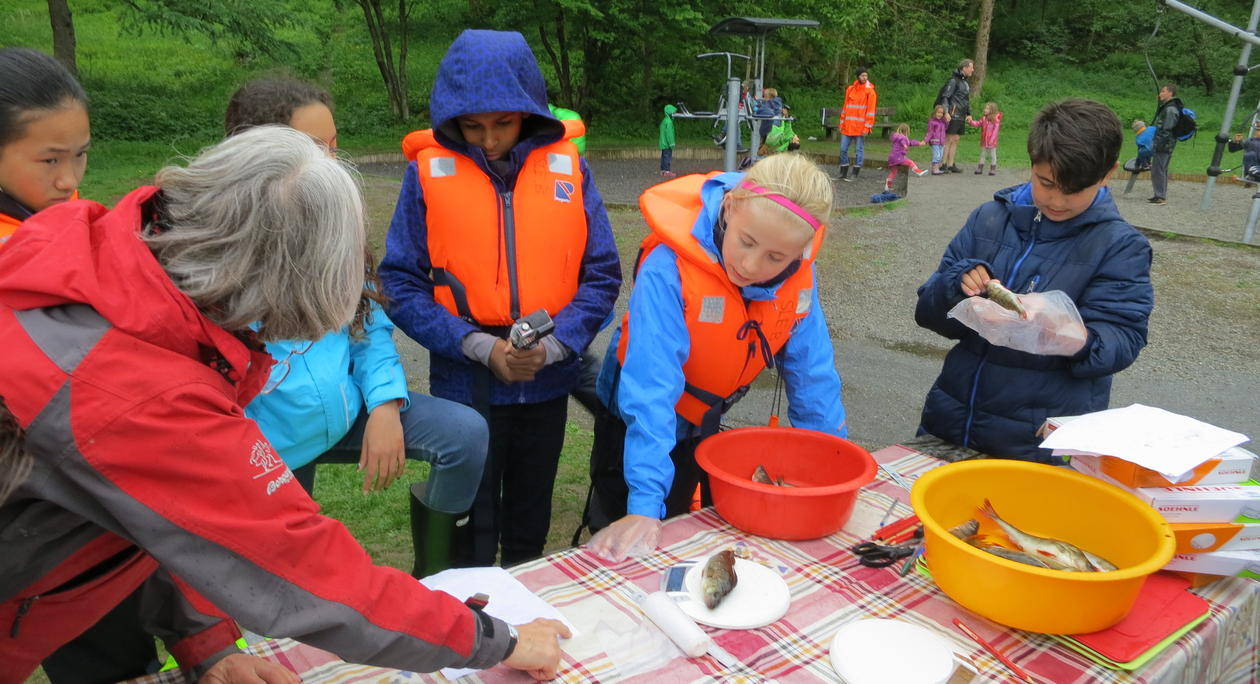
(856, 119)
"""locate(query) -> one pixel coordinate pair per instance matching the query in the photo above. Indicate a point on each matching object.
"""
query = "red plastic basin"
(826, 472)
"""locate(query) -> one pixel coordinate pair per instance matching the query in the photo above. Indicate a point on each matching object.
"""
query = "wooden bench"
(883, 120)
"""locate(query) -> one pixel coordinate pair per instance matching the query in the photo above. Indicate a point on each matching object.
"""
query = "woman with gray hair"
(128, 356)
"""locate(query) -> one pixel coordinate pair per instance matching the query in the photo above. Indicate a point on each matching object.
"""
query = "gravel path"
(1203, 359)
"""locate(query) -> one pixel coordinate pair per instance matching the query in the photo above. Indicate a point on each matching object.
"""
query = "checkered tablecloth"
(829, 588)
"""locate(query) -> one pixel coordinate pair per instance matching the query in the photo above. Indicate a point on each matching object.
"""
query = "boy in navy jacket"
(1061, 231)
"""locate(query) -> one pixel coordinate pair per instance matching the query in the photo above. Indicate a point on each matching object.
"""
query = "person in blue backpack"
(1165, 121)
(1061, 231)
(343, 398)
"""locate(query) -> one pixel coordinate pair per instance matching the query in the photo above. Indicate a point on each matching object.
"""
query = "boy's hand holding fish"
(975, 281)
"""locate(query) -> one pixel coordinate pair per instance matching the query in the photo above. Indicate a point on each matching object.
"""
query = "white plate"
(760, 597)
(875, 651)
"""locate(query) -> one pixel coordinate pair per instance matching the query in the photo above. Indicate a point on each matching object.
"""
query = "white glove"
(629, 537)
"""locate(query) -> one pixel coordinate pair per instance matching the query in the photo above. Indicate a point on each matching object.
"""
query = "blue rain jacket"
(493, 71)
(994, 398)
(644, 391)
(327, 387)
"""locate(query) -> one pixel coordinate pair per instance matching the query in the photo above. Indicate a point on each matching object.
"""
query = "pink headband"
(782, 201)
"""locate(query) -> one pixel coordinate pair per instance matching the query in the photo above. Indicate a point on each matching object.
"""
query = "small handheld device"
(527, 331)
(675, 578)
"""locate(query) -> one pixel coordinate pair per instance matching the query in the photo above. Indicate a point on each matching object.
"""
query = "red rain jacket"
(131, 400)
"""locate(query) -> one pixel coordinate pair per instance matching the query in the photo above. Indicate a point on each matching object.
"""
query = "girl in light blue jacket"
(343, 398)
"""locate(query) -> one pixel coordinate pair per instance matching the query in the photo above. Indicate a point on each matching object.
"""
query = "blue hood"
(1019, 202)
(490, 71)
(711, 194)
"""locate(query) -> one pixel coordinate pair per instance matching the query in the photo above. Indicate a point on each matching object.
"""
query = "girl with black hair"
(44, 135)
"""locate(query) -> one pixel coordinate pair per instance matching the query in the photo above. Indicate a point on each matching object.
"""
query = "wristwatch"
(512, 637)
(478, 602)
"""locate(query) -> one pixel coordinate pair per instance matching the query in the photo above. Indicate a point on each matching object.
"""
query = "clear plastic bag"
(1052, 325)
(633, 536)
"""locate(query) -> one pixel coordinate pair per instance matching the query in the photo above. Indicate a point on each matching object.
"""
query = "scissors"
(874, 555)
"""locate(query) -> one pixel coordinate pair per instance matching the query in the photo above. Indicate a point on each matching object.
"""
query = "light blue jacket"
(644, 391)
(327, 387)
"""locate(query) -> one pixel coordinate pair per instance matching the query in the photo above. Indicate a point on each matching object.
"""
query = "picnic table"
(829, 588)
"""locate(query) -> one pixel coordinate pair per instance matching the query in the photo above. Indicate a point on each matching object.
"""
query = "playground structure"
(735, 107)
(1249, 38)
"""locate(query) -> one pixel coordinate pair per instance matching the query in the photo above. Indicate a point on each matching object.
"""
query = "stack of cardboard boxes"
(1214, 513)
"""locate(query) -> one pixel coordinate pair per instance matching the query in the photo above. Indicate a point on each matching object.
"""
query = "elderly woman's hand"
(537, 649)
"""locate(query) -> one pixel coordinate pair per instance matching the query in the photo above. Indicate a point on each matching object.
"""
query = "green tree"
(250, 26)
(63, 34)
(393, 69)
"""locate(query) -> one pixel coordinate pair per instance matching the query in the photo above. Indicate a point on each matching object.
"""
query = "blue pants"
(452, 437)
(844, 149)
(667, 158)
(938, 151)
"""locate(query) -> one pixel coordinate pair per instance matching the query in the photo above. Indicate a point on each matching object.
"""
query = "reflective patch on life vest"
(560, 163)
(809, 247)
(712, 309)
(803, 300)
(440, 167)
(564, 191)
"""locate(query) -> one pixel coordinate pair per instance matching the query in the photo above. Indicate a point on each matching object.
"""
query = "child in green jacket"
(667, 141)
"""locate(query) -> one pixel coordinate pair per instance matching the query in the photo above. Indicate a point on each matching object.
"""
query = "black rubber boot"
(432, 535)
(855, 172)
(844, 172)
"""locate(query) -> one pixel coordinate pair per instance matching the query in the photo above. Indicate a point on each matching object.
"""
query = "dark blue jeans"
(452, 437)
(667, 158)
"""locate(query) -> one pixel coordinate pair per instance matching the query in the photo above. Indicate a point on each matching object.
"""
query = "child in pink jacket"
(989, 125)
(897, 155)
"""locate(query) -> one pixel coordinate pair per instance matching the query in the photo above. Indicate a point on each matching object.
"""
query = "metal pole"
(1250, 230)
(1240, 71)
(732, 122)
(1248, 35)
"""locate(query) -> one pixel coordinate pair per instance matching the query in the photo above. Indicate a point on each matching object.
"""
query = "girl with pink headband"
(725, 289)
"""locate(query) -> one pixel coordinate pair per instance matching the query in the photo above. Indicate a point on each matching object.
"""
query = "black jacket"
(1166, 116)
(956, 96)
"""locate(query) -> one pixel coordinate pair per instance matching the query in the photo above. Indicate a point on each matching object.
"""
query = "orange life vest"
(497, 257)
(725, 346)
(8, 225)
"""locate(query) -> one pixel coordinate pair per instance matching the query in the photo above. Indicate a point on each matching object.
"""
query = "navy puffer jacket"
(994, 398)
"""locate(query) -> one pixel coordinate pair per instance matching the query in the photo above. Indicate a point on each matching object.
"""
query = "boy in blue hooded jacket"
(1061, 231)
(498, 217)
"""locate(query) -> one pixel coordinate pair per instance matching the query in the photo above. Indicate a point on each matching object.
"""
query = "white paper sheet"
(510, 600)
(1166, 442)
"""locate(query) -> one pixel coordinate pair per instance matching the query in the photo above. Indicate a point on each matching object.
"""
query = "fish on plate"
(718, 578)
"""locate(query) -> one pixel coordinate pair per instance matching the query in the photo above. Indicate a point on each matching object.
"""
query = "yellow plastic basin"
(1050, 502)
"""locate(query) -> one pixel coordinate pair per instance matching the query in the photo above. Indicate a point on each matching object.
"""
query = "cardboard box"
(1232, 466)
(1193, 504)
(1223, 563)
(1205, 537)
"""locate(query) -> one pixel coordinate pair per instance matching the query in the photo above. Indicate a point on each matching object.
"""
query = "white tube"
(682, 630)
